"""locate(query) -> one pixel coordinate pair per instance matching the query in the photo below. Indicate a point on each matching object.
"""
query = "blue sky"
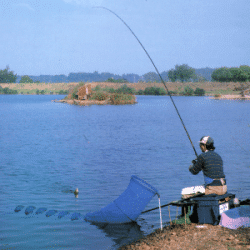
(40, 37)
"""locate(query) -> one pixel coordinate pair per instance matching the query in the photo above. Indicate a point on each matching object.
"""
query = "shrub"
(63, 92)
(125, 90)
(7, 91)
(99, 95)
(117, 99)
(26, 79)
(199, 92)
(97, 88)
(140, 92)
(188, 91)
(154, 91)
(109, 90)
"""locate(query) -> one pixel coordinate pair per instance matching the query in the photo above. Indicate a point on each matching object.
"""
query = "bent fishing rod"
(157, 73)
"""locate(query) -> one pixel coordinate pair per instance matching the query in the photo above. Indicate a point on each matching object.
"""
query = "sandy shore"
(194, 236)
(83, 103)
(232, 97)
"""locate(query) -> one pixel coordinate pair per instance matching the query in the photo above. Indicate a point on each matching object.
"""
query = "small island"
(83, 95)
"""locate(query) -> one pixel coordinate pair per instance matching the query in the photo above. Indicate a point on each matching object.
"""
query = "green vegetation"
(188, 91)
(26, 79)
(151, 77)
(199, 92)
(99, 95)
(154, 91)
(116, 81)
(123, 95)
(7, 91)
(122, 90)
(40, 92)
(183, 73)
(117, 98)
(7, 76)
(224, 74)
(62, 92)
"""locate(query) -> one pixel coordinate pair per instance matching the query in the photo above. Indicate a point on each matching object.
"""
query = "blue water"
(48, 148)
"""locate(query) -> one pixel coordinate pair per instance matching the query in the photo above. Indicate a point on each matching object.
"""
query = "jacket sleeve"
(197, 167)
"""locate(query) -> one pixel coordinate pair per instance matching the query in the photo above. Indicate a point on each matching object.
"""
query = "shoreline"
(231, 97)
(82, 103)
(193, 236)
(211, 88)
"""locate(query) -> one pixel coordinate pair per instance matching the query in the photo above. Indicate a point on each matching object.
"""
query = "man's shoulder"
(213, 154)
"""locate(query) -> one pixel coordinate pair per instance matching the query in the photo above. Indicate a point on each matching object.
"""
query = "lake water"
(48, 148)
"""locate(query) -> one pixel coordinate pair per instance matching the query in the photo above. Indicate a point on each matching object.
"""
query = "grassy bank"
(211, 88)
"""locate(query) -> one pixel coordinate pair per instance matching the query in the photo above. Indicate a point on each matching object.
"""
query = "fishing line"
(157, 73)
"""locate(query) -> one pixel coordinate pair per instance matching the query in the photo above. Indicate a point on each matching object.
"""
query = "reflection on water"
(121, 234)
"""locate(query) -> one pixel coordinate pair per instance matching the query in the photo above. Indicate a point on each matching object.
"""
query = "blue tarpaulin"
(128, 206)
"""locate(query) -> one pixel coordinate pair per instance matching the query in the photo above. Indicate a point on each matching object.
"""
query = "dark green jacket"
(211, 164)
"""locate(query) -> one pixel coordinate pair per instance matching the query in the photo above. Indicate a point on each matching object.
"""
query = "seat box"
(208, 208)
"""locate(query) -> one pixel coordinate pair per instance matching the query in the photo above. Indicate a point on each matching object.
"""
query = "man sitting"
(211, 165)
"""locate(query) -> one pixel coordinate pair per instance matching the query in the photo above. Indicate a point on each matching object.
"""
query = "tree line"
(182, 73)
(234, 74)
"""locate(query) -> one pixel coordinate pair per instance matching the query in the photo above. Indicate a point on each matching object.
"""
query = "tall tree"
(26, 79)
(233, 74)
(151, 77)
(182, 72)
(7, 76)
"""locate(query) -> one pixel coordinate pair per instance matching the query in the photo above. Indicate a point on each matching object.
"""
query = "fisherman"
(212, 166)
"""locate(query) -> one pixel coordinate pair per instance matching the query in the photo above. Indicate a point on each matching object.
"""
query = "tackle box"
(208, 208)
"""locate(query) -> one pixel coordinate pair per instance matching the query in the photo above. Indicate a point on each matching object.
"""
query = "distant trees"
(151, 77)
(7, 76)
(26, 79)
(233, 74)
(116, 81)
(182, 72)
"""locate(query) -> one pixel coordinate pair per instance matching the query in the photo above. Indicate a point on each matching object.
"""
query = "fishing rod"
(152, 209)
(157, 73)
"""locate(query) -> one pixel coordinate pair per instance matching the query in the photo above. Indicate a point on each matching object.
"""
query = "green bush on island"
(109, 90)
(99, 95)
(125, 90)
(117, 98)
